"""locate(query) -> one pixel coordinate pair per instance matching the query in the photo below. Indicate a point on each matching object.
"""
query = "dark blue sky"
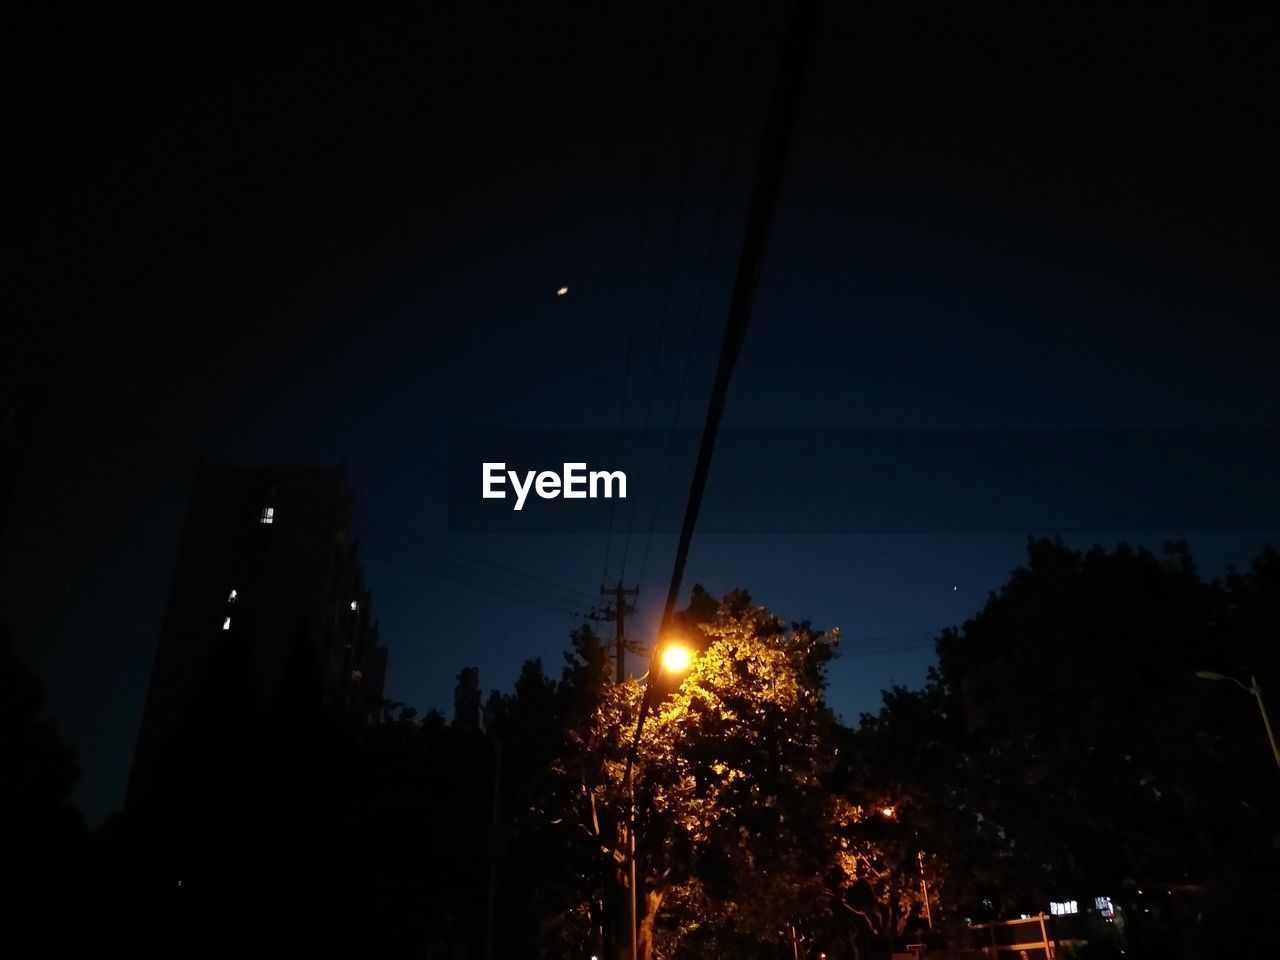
(322, 237)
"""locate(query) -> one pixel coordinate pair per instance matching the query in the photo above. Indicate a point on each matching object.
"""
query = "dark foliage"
(1065, 746)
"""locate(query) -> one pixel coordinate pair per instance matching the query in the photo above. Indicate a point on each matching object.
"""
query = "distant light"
(887, 812)
(226, 624)
(560, 293)
(354, 605)
(268, 515)
(232, 597)
(1062, 908)
(676, 658)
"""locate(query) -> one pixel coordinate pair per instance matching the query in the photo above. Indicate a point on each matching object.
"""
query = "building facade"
(269, 622)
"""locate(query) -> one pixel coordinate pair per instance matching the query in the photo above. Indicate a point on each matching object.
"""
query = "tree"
(732, 823)
(1064, 742)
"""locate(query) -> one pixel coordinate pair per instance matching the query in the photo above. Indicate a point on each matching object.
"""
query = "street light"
(1257, 695)
(890, 812)
(675, 659)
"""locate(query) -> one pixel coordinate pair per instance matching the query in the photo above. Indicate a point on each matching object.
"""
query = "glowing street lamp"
(890, 812)
(676, 658)
(1257, 695)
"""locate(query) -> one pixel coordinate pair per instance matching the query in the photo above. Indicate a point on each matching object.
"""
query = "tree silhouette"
(1065, 743)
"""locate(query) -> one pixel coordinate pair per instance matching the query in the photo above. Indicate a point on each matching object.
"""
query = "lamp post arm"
(1252, 689)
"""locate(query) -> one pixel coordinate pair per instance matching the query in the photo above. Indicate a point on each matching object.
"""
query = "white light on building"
(268, 515)
(226, 624)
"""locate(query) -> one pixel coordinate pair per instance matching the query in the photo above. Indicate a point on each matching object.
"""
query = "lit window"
(1063, 907)
(268, 515)
(1105, 906)
(354, 605)
(226, 624)
(231, 598)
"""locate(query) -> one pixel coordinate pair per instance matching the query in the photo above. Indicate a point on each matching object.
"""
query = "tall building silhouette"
(269, 628)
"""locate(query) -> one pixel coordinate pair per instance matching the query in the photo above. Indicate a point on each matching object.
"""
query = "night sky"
(299, 234)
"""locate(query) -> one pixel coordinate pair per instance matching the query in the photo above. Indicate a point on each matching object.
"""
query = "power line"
(479, 575)
(891, 643)
(695, 112)
(465, 581)
(783, 109)
(914, 634)
(717, 220)
(578, 596)
(635, 298)
(888, 650)
(417, 537)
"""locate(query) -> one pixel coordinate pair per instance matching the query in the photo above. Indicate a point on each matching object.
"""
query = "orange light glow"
(887, 812)
(676, 658)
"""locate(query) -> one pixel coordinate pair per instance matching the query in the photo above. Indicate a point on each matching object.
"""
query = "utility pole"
(617, 613)
(491, 906)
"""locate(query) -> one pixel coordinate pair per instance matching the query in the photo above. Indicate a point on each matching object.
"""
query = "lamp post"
(1256, 690)
(673, 659)
(924, 889)
(890, 812)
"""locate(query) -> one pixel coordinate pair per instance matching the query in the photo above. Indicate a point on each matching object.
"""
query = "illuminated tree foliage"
(733, 812)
